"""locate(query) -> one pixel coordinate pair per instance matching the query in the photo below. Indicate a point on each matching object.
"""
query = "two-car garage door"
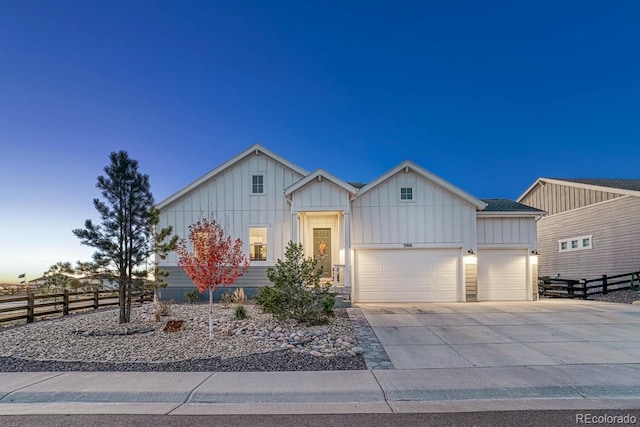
(406, 275)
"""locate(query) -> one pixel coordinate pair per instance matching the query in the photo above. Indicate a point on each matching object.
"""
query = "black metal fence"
(583, 288)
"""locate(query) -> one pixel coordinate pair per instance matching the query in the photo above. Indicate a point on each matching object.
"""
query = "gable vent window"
(575, 243)
(406, 193)
(257, 184)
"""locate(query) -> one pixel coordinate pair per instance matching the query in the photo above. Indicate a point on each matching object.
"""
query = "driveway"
(502, 334)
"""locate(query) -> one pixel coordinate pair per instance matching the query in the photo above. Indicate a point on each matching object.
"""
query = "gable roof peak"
(407, 166)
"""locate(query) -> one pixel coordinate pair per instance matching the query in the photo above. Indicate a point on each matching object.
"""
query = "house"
(592, 227)
(407, 236)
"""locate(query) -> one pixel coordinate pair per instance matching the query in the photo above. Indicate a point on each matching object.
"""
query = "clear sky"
(488, 95)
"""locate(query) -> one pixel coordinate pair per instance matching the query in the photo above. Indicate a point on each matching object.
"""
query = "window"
(257, 184)
(575, 243)
(406, 193)
(258, 243)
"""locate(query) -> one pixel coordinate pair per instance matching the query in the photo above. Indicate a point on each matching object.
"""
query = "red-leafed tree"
(213, 259)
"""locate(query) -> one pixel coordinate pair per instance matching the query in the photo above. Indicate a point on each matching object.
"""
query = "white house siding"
(556, 198)
(615, 225)
(505, 231)
(320, 195)
(228, 199)
(434, 216)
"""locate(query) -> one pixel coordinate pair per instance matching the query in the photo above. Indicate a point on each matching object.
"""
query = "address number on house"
(407, 245)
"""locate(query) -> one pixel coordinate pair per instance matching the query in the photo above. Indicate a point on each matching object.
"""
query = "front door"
(322, 249)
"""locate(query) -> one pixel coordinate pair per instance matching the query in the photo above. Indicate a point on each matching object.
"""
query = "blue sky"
(487, 95)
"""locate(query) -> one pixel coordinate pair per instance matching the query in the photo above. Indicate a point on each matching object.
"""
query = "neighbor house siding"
(227, 198)
(507, 231)
(615, 226)
(434, 216)
(556, 198)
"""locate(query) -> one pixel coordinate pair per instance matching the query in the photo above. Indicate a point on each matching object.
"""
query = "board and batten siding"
(434, 216)
(615, 226)
(556, 198)
(227, 198)
(322, 194)
(506, 231)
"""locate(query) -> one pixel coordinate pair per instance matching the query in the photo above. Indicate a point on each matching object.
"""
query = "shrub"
(238, 296)
(163, 308)
(241, 312)
(296, 292)
(225, 300)
(192, 296)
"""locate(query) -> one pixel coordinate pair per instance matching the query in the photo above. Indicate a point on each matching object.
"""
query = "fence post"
(96, 301)
(584, 288)
(65, 302)
(604, 284)
(30, 301)
(570, 289)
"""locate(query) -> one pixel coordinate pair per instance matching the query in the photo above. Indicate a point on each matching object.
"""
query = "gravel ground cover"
(625, 296)
(95, 341)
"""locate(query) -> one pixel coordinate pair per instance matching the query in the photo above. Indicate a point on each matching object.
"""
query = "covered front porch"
(320, 212)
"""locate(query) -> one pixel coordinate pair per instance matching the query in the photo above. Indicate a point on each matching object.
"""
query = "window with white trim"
(406, 193)
(575, 243)
(257, 184)
(258, 243)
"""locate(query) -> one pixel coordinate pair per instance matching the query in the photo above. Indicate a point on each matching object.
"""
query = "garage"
(502, 275)
(406, 275)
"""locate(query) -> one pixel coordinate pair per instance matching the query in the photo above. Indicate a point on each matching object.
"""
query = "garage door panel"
(502, 275)
(421, 275)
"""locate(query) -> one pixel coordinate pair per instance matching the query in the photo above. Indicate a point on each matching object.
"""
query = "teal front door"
(322, 249)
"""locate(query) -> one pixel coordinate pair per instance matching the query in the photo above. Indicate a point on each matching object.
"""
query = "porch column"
(294, 227)
(347, 250)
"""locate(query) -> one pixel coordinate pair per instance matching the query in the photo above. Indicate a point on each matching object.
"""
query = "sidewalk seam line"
(384, 394)
(188, 398)
(29, 385)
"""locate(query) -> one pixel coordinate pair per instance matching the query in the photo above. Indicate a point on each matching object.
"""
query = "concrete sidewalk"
(601, 386)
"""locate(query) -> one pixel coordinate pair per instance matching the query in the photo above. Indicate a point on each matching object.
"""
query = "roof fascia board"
(529, 190)
(511, 214)
(254, 149)
(324, 174)
(479, 204)
(615, 190)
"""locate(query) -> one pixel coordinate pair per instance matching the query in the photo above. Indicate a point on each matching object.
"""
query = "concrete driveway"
(502, 334)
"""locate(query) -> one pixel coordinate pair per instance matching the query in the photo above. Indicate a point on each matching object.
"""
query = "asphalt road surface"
(459, 419)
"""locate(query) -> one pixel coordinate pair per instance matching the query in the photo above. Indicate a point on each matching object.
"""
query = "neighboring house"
(408, 236)
(592, 227)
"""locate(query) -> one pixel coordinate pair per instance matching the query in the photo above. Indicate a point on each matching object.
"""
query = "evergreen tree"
(125, 239)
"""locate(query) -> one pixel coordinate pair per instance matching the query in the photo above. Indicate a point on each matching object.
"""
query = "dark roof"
(623, 184)
(357, 184)
(506, 205)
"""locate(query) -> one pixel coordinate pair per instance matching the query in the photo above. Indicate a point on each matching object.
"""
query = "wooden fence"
(583, 288)
(34, 306)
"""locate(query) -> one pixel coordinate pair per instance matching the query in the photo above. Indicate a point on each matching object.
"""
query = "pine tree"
(124, 240)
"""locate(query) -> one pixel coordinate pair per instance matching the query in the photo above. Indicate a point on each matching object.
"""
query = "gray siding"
(615, 226)
(179, 283)
(555, 198)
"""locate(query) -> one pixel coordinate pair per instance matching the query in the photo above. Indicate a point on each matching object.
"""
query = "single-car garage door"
(406, 275)
(502, 275)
